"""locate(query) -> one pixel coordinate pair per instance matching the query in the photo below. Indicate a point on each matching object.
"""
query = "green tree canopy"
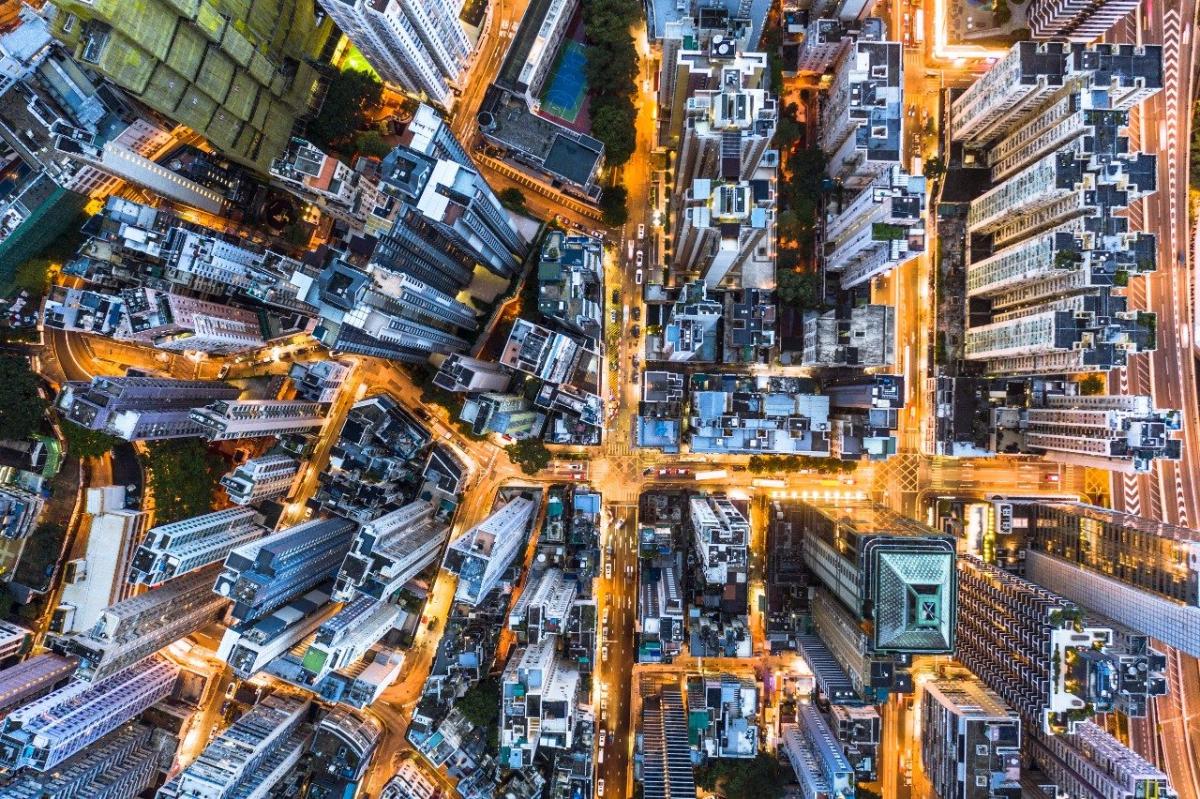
(21, 406)
(611, 71)
(85, 443)
(530, 454)
(1091, 385)
(798, 289)
(612, 205)
(371, 143)
(614, 122)
(760, 778)
(481, 703)
(343, 112)
(183, 475)
(512, 198)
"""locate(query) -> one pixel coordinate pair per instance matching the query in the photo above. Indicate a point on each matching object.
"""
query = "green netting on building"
(216, 75)
(243, 94)
(187, 52)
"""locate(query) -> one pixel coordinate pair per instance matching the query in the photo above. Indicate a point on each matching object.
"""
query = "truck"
(713, 474)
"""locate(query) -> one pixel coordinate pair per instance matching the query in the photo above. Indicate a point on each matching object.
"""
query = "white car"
(604, 654)
(641, 232)
(637, 277)
(600, 788)
(608, 570)
(641, 258)
(603, 738)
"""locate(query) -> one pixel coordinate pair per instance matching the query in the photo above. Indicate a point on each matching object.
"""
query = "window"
(69, 23)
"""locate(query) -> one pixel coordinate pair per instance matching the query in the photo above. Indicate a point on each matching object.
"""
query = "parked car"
(641, 232)
(636, 331)
(637, 313)
(641, 258)
(637, 277)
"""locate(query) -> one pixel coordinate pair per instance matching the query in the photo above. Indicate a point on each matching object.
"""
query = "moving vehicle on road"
(641, 232)
(637, 277)
(714, 474)
(641, 259)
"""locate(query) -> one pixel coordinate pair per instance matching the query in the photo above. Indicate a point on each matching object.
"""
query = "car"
(1051, 478)
(612, 316)
(636, 331)
(616, 297)
(600, 787)
(641, 232)
(636, 362)
(606, 616)
(603, 738)
(608, 570)
(422, 414)
(575, 467)
(629, 570)
(637, 313)
(636, 378)
(637, 277)
(604, 654)
(641, 258)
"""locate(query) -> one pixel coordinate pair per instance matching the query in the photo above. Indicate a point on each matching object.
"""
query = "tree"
(31, 276)
(343, 112)
(371, 143)
(512, 198)
(935, 167)
(530, 454)
(614, 124)
(798, 289)
(1091, 385)
(85, 443)
(481, 703)
(21, 406)
(183, 474)
(612, 205)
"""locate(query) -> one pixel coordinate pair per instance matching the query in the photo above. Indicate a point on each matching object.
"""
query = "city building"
(121, 765)
(249, 646)
(447, 206)
(688, 326)
(1117, 432)
(882, 227)
(865, 415)
(1090, 762)
(33, 677)
(141, 408)
(506, 414)
(826, 41)
(570, 277)
(660, 609)
(723, 711)
(1053, 662)
(970, 740)
(242, 85)
(709, 69)
(862, 117)
(175, 323)
(750, 319)
(661, 410)
(721, 537)
(889, 589)
(1141, 573)
(570, 373)
(391, 550)
(20, 510)
(460, 372)
(815, 756)
(347, 635)
(726, 231)
(13, 639)
(336, 188)
(135, 628)
(318, 381)
(537, 703)
(665, 755)
(481, 556)
(544, 606)
(1076, 20)
(178, 548)
(230, 419)
(862, 337)
(268, 477)
(418, 46)
(411, 781)
(249, 757)
(757, 415)
(43, 733)
(388, 314)
(264, 574)
(859, 730)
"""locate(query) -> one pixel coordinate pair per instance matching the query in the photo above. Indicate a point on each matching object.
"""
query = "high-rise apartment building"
(45, 732)
(419, 46)
(570, 277)
(1076, 20)
(33, 677)
(721, 539)
(19, 511)
(1120, 432)
(388, 315)
(537, 703)
(1016, 636)
(248, 647)
(231, 419)
(482, 554)
(239, 74)
(1091, 762)
(827, 40)
(460, 372)
(507, 414)
(177, 548)
(666, 756)
(862, 117)
(816, 755)
(264, 574)
(338, 189)
(268, 477)
(891, 587)
(970, 740)
(135, 628)
(13, 639)
(347, 635)
(726, 232)
(120, 765)
(544, 605)
(141, 408)
(250, 757)
(864, 337)
(880, 229)
(391, 550)
(176, 323)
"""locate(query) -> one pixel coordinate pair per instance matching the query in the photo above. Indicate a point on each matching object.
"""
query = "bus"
(765, 482)
(715, 474)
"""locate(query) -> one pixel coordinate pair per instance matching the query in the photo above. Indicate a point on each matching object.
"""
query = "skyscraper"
(347, 635)
(136, 628)
(419, 46)
(481, 555)
(463, 373)
(141, 408)
(390, 550)
(970, 741)
(120, 765)
(249, 646)
(226, 419)
(239, 74)
(46, 731)
(174, 549)
(1076, 20)
(262, 575)
(262, 478)
(721, 539)
(251, 756)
